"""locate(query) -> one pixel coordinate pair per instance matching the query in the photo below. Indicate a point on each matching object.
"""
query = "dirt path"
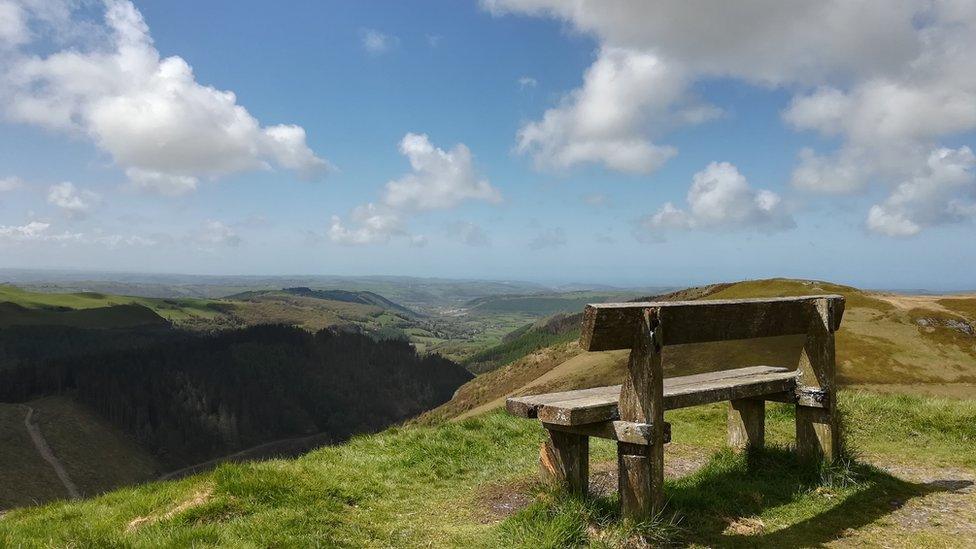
(42, 448)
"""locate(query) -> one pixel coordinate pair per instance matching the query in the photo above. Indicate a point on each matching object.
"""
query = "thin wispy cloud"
(376, 42)
(549, 238)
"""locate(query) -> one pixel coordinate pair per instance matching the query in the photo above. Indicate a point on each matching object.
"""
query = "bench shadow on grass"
(826, 502)
(719, 504)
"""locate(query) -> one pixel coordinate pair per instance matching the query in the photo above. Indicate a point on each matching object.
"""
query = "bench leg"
(640, 479)
(565, 460)
(747, 424)
(817, 433)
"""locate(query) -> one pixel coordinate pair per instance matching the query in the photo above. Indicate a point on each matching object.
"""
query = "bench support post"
(565, 460)
(641, 467)
(818, 429)
(747, 424)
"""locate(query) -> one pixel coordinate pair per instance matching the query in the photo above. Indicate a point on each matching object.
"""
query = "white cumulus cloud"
(373, 224)
(438, 180)
(148, 112)
(890, 81)
(626, 96)
(721, 198)
(71, 200)
(944, 192)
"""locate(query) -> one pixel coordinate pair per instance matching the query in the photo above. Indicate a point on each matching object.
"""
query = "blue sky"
(505, 139)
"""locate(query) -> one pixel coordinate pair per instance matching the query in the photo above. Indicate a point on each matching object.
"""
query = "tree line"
(190, 397)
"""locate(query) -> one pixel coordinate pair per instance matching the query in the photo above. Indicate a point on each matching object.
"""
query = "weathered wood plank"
(609, 326)
(528, 406)
(564, 459)
(817, 428)
(641, 467)
(621, 431)
(596, 406)
(746, 423)
(718, 392)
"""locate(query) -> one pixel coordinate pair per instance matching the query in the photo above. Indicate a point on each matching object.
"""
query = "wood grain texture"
(608, 326)
(601, 403)
(746, 424)
(564, 460)
(641, 473)
(817, 428)
(621, 431)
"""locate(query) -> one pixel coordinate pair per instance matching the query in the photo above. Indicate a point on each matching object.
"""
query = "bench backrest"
(609, 326)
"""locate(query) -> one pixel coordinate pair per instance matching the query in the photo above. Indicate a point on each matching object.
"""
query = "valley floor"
(472, 483)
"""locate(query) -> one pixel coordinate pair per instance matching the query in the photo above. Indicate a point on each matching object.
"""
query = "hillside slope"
(97, 456)
(113, 316)
(472, 484)
(887, 342)
(182, 311)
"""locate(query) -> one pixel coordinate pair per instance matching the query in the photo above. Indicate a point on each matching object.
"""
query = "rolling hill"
(342, 296)
(187, 312)
(113, 316)
(887, 342)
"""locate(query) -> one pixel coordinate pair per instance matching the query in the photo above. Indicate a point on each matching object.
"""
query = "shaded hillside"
(115, 316)
(343, 296)
(914, 344)
(97, 456)
(194, 398)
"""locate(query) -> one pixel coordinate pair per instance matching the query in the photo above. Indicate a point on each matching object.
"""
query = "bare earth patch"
(947, 513)
(499, 501)
(197, 499)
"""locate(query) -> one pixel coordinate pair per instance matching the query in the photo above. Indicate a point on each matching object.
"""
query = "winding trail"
(42, 448)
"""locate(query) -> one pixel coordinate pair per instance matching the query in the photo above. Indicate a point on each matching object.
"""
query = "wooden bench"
(633, 413)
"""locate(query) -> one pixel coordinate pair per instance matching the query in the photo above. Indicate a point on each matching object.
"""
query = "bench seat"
(600, 404)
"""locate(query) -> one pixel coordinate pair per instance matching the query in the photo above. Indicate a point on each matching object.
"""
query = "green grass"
(180, 310)
(427, 486)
